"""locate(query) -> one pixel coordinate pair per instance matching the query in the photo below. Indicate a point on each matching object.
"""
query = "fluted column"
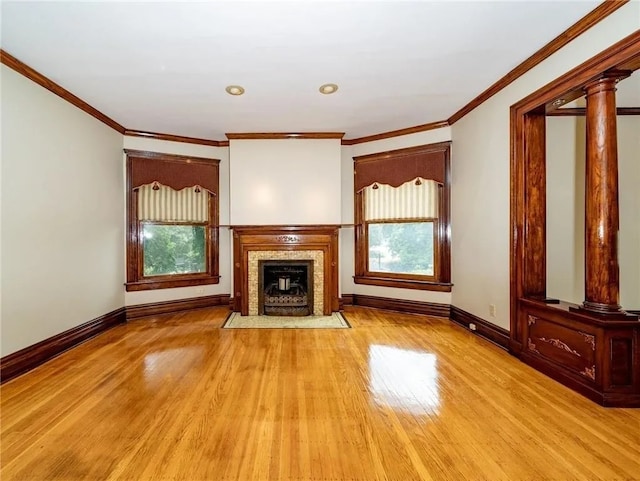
(602, 282)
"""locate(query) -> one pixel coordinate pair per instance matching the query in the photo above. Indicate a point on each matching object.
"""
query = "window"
(401, 247)
(402, 218)
(172, 221)
(173, 249)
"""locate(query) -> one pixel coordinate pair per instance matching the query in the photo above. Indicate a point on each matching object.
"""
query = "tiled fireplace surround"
(318, 243)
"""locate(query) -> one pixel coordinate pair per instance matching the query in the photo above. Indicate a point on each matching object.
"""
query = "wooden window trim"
(136, 281)
(441, 280)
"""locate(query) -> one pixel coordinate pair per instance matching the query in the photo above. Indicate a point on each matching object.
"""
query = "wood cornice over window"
(395, 168)
(399, 166)
(176, 172)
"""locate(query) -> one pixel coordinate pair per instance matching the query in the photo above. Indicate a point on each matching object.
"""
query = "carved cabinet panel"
(574, 349)
(598, 356)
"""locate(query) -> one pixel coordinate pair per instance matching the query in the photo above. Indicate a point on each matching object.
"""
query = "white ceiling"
(163, 66)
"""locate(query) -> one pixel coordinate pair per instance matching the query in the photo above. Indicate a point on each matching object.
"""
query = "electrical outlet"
(472, 326)
(492, 310)
(200, 290)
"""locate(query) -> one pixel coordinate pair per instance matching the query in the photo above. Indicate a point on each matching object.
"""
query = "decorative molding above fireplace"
(313, 242)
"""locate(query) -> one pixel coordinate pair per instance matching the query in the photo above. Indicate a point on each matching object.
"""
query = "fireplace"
(257, 246)
(285, 287)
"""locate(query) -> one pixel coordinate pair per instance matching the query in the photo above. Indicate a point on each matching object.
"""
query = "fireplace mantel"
(281, 238)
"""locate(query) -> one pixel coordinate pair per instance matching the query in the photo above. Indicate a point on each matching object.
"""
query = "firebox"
(285, 287)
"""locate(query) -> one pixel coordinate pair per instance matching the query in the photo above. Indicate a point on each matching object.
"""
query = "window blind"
(413, 200)
(160, 203)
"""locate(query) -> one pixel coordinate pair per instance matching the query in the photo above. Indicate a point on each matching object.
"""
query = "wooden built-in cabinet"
(599, 358)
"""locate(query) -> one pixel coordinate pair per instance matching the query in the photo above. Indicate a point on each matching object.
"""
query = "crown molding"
(175, 138)
(598, 14)
(35, 76)
(397, 133)
(284, 135)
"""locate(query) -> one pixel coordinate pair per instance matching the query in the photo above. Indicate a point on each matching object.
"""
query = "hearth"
(285, 287)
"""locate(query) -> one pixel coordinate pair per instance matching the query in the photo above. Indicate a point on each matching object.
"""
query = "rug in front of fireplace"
(334, 321)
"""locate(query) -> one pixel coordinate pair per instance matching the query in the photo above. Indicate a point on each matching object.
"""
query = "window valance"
(175, 171)
(400, 166)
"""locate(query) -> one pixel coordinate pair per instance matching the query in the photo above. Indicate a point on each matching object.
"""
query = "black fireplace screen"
(286, 288)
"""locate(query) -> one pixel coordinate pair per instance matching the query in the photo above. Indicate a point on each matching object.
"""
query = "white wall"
(565, 150)
(566, 141)
(285, 182)
(629, 180)
(480, 173)
(62, 205)
(225, 252)
(1, 177)
(347, 266)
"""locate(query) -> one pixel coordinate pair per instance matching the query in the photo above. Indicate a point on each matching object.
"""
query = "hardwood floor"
(398, 397)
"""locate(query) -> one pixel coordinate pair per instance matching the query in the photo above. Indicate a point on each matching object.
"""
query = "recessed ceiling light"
(328, 89)
(234, 90)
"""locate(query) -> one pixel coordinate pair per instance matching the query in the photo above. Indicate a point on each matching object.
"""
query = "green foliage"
(173, 249)
(403, 247)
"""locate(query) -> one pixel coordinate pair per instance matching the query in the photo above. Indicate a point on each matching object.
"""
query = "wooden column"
(535, 232)
(602, 283)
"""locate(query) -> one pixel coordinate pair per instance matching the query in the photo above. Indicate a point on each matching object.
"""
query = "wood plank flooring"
(399, 397)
